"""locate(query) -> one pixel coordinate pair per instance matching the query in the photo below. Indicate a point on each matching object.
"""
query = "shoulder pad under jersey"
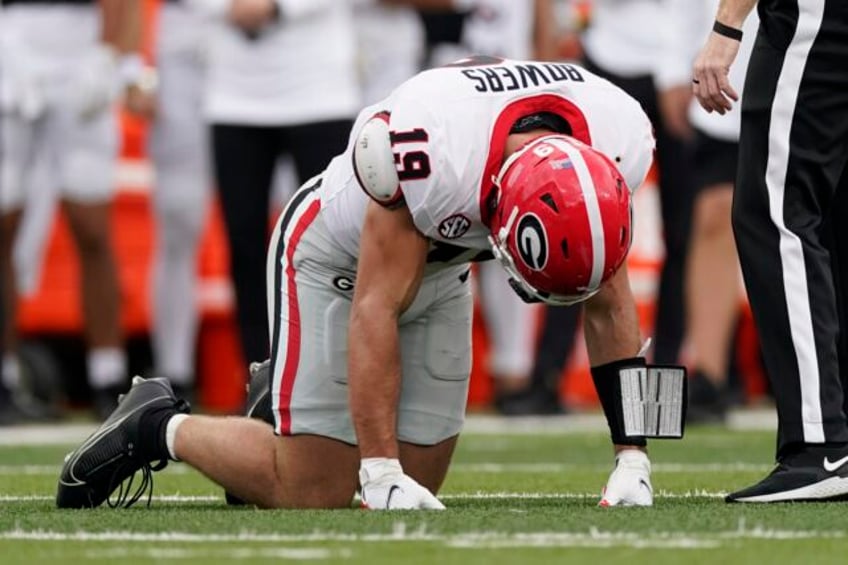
(374, 162)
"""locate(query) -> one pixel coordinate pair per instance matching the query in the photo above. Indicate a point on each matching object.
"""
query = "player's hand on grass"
(386, 487)
(630, 481)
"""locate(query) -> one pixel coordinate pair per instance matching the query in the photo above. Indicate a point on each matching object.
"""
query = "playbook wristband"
(727, 31)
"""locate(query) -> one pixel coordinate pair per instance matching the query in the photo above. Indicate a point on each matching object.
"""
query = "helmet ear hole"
(563, 245)
(548, 199)
(623, 239)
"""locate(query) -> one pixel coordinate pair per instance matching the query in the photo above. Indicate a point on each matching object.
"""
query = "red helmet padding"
(551, 239)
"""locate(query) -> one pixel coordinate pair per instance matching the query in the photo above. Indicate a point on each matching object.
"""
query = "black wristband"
(727, 31)
(608, 386)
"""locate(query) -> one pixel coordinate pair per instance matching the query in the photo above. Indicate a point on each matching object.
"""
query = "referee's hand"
(709, 76)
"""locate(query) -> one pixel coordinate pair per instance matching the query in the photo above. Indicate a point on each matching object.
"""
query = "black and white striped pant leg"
(792, 156)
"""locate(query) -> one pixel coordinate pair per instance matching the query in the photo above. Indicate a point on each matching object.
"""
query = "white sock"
(171, 433)
(11, 371)
(107, 366)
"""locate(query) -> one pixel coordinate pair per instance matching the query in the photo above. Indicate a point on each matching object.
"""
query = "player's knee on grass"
(316, 472)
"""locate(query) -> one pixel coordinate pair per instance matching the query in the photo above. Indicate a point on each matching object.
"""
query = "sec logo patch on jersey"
(531, 240)
(454, 226)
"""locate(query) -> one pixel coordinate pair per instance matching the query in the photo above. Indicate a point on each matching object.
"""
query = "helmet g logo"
(532, 242)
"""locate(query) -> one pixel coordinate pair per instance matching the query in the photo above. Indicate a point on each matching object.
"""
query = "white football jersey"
(448, 129)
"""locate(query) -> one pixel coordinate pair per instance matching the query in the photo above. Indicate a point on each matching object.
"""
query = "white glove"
(630, 482)
(97, 82)
(386, 487)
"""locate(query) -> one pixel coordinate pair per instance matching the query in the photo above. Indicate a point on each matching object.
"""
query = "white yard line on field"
(37, 470)
(46, 434)
(497, 468)
(18, 470)
(482, 424)
(569, 495)
(177, 498)
(591, 537)
(480, 468)
(217, 554)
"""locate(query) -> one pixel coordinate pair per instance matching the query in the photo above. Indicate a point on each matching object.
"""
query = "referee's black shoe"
(258, 405)
(131, 439)
(815, 473)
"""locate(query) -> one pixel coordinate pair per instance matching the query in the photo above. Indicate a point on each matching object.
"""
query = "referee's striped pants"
(790, 212)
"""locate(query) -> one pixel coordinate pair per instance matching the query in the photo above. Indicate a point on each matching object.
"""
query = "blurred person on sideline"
(170, 96)
(59, 123)
(280, 79)
(8, 410)
(624, 44)
(390, 45)
(712, 270)
(368, 269)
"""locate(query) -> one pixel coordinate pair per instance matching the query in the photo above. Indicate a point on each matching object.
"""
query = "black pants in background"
(676, 190)
(245, 159)
(790, 213)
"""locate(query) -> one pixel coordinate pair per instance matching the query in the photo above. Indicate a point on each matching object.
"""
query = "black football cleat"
(258, 405)
(132, 438)
(816, 473)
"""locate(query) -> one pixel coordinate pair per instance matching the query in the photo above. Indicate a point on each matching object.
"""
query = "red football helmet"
(561, 225)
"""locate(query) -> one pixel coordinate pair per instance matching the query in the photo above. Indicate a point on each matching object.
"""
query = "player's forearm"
(611, 324)
(734, 12)
(374, 379)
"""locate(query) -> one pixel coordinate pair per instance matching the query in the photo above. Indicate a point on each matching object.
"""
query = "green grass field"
(516, 494)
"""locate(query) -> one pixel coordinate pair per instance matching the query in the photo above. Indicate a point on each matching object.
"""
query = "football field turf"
(519, 492)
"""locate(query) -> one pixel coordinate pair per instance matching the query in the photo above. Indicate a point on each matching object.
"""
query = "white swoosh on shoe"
(831, 467)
